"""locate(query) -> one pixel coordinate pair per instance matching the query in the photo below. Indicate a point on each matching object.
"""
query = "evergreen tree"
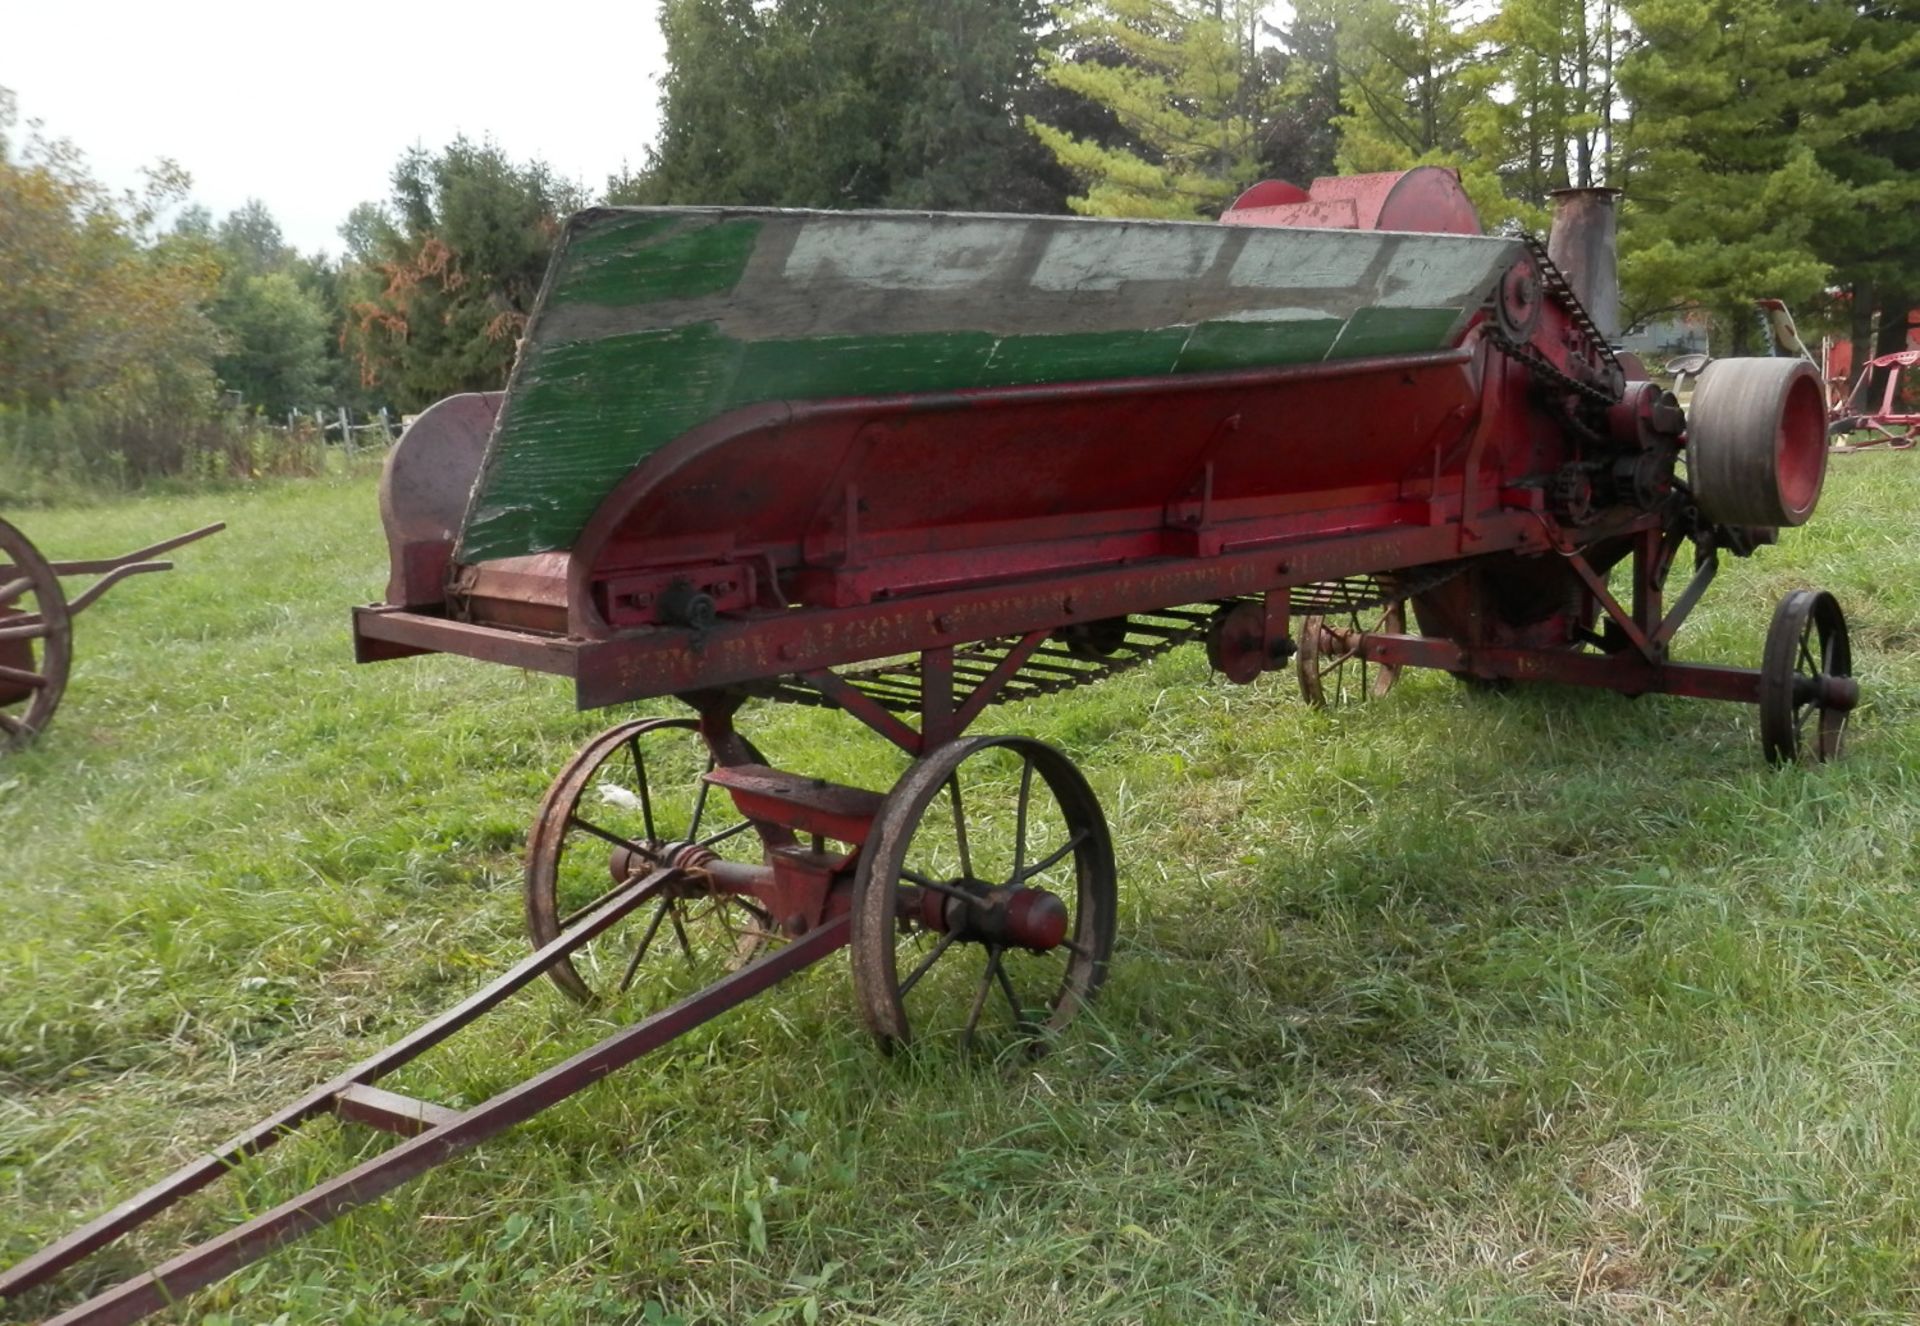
(1748, 172)
(847, 104)
(1191, 90)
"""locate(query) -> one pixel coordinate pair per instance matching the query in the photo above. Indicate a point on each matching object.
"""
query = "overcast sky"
(307, 107)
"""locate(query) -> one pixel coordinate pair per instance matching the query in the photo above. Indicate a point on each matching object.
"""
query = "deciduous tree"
(450, 270)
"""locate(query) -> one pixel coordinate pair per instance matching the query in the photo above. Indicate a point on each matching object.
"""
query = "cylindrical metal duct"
(1581, 245)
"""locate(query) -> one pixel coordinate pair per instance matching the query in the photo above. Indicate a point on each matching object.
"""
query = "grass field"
(1540, 1006)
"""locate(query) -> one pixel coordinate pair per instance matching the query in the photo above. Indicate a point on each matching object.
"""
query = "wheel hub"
(1028, 918)
(1827, 691)
(642, 858)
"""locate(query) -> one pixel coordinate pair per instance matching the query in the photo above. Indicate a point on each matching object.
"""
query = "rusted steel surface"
(208, 1262)
(424, 488)
(810, 805)
(199, 1173)
(1583, 246)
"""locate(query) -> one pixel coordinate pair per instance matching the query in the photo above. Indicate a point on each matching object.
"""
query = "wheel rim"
(1329, 665)
(969, 829)
(36, 640)
(632, 796)
(1806, 652)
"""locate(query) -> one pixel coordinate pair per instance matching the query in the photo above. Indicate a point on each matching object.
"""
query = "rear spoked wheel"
(984, 902)
(36, 640)
(1807, 688)
(1329, 666)
(634, 799)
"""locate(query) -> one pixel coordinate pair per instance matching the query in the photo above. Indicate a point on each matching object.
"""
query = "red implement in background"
(36, 623)
(1882, 405)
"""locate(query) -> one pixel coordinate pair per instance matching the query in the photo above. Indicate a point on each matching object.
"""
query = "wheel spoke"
(933, 956)
(25, 626)
(938, 886)
(1020, 816)
(640, 785)
(980, 996)
(1013, 999)
(568, 922)
(1051, 859)
(680, 933)
(724, 834)
(13, 589)
(959, 824)
(700, 801)
(646, 942)
(12, 726)
(21, 677)
(604, 834)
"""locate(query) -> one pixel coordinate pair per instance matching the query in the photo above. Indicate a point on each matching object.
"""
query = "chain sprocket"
(1554, 285)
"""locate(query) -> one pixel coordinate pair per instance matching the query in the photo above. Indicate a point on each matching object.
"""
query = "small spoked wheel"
(984, 900)
(36, 640)
(1329, 664)
(1806, 679)
(633, 800)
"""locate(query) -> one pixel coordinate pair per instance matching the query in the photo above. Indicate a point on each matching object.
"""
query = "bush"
(116, 445)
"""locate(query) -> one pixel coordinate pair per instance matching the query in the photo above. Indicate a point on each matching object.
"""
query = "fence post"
(346, 433)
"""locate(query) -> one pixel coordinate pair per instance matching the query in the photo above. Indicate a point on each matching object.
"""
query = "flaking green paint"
(585, 412)
(1218, 347)
(641, 259)
(582, 412)
(1390, 331)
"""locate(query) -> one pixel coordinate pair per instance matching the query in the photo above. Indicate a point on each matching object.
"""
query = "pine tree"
(1189, 87)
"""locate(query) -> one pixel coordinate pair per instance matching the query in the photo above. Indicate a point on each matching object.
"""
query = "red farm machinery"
(1883, 409)
(909, 466)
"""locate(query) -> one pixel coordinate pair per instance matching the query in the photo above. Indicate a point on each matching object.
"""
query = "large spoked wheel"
(1806, 679)
(36, 640)
(984, 900)
(632, 800)
(1328, 663)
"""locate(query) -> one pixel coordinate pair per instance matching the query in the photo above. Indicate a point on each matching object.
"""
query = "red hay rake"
(36, 623)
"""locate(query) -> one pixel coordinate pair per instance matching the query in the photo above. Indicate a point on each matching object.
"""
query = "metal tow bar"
(437, 1134)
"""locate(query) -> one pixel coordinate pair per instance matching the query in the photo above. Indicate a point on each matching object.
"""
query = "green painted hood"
(654, 320)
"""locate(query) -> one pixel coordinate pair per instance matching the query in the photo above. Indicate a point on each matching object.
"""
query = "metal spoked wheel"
(36, 640)
(987, 884)
(1328, 664)
(631, 800)
(1806, 679)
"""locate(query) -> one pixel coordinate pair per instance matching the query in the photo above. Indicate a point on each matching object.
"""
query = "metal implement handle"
(108, 565)
(197, 1174)
(217, 1257)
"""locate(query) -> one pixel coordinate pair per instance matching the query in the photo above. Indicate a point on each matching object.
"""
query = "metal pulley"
(1757, 442)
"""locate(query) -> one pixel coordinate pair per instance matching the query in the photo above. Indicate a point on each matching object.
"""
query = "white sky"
(307, 107)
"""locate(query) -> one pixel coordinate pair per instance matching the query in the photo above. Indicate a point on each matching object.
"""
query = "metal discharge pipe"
(1582, 246)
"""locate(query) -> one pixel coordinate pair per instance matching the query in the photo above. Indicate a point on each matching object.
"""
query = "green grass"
(1531, 1007)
